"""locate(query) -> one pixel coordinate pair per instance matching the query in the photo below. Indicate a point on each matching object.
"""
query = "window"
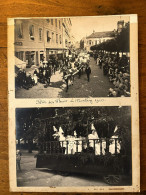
(40, 34)
(52, 37)
(56, 22)
(19, 55)
(31, 32)
(90, 42)
(56, 38)
(52, 21)
(59, 25)
(19, 30)
(66, 42)
(48, 36)
(96, 42)
(48, 20)
(60, 39)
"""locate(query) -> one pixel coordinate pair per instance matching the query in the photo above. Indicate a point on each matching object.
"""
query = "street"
(97, 87)
(31, 176)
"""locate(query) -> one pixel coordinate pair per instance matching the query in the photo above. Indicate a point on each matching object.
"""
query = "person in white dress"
(112, 145)
(93, 136)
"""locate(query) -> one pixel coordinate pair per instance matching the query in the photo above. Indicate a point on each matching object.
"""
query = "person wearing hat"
(110, 92)
(48, 76)
(23, 77)
(35, 76)
(40, 73)
(65, 76)
(31, 80)
(79, 70)
(88, 72)
(100, 62)
(20, 78)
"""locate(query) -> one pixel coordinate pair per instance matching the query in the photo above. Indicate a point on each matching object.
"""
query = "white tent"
(19, 63)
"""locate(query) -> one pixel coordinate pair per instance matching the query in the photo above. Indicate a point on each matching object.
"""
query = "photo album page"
(73, 104)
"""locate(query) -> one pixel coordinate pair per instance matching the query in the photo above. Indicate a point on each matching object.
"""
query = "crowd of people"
(69, 66)
(118, 71)
(116, 68)
(42, 74)
(74, 67)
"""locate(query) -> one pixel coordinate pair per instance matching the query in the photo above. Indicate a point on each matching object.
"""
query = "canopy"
(19, 63)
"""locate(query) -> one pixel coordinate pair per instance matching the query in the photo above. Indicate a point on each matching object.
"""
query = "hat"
(111, 90)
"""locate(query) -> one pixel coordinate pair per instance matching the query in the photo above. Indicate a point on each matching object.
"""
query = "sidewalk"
(54, 90)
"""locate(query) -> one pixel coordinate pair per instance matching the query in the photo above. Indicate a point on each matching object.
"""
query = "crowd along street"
(98, 85)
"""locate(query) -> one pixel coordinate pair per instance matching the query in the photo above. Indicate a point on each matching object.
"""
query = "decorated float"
(86, 141)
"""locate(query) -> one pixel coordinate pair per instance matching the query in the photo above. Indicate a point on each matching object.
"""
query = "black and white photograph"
(73, 146)
(72, 57)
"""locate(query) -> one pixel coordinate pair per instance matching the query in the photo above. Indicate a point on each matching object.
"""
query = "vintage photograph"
(73, 146)
(72, 57)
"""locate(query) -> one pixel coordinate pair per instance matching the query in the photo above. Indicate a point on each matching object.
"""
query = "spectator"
(88, 72)
(18, 159)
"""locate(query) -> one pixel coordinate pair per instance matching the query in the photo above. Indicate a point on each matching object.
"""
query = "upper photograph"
(72, 57)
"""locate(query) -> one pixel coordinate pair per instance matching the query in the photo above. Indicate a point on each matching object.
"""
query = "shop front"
(54, 53)
(30, 58)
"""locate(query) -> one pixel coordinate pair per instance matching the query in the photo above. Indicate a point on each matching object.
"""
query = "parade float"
(86, 142)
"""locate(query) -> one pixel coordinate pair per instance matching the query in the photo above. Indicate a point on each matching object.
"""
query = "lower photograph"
(73, 146)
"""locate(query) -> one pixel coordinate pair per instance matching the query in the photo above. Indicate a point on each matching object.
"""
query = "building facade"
(99, 37)
(40, 39)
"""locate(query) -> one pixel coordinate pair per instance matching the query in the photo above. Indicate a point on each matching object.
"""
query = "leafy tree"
(38, 123)
(121, 43)
(81, 44)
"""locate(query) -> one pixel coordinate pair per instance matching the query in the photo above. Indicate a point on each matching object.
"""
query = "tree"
(119, 44)
(38, 123)
(82, 44)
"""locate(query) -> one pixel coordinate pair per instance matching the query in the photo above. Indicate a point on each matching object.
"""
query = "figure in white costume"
(97, 61)
(71, 144)
(112, 145)
(93, 136)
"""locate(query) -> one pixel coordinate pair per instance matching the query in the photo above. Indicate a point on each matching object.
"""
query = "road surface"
(31, 176)
(97, 87)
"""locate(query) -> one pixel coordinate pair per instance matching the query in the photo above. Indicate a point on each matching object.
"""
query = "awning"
(19, 63)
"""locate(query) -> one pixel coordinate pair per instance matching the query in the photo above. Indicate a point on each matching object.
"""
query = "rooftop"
(102, 34)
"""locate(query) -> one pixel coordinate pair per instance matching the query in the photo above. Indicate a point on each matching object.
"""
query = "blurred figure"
(18, 159)
(88, 72)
